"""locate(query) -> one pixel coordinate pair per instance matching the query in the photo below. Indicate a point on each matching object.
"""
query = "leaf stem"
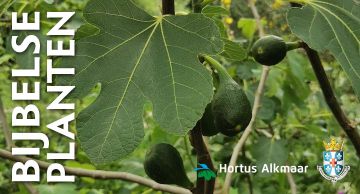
(223, 74)
(293, 45)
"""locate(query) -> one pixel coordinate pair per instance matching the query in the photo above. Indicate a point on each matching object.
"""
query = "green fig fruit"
(269, 50)
(230, 106)
(164, 165)
(207, 123)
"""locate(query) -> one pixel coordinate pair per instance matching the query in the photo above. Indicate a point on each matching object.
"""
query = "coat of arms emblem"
(333, 168)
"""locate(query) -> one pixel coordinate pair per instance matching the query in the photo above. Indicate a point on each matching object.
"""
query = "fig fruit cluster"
(230, 111)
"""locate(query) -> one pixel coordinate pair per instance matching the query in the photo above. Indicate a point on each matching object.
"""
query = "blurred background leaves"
(293, 110)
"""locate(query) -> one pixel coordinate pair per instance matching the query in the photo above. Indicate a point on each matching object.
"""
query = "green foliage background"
(293, 110)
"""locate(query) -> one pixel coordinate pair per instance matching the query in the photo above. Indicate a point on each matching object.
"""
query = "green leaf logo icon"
(205, 172)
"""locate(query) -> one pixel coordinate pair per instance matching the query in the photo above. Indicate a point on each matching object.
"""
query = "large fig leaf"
(333, 25)
(137, 57)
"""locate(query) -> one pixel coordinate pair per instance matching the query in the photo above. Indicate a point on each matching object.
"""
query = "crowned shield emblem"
(334, 167)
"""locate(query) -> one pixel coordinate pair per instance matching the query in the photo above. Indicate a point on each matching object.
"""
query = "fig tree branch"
(101, 174)
(197, 141)
(168, 7)
(203, 157)
(292, 183)
(330, 98)
(257, 17)
(257, 102)
(29, 187)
